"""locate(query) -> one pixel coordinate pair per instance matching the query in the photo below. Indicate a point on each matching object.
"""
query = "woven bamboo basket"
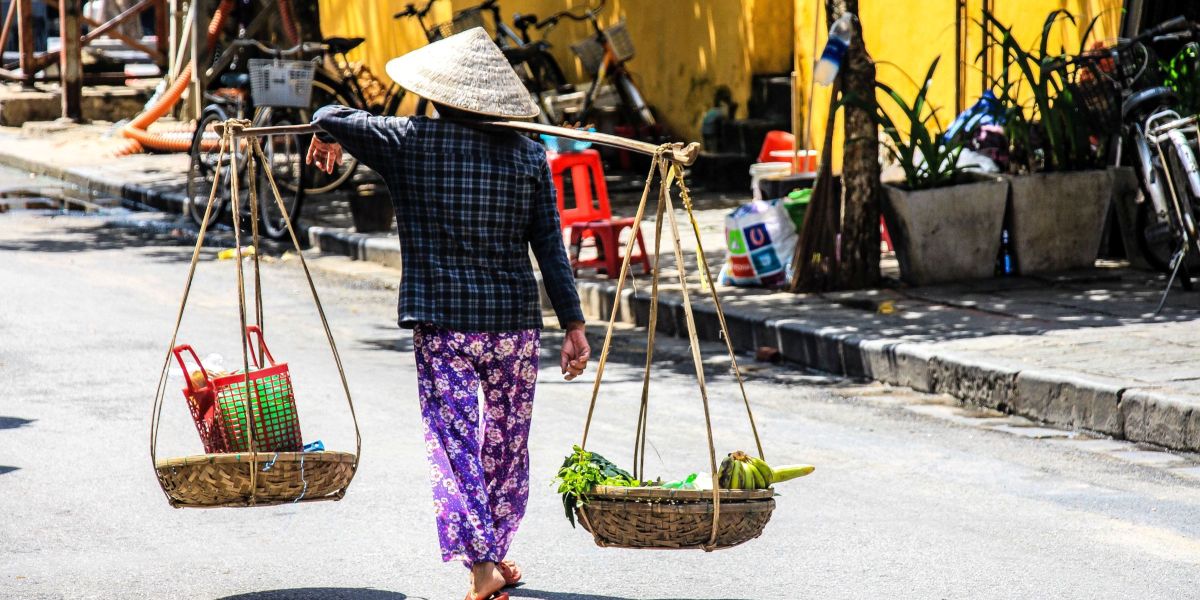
(656, 518)
(215, 480)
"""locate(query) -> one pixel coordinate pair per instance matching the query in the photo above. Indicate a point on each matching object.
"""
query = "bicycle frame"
(1169, 133)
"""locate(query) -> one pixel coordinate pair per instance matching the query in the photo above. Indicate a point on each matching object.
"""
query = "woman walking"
(470, 203)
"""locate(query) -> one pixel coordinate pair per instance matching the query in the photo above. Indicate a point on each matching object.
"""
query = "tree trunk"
(857, 263)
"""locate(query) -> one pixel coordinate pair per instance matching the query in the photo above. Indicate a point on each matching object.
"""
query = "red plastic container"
(218, 405)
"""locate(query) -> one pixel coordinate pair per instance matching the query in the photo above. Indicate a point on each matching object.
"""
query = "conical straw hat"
(466, 71)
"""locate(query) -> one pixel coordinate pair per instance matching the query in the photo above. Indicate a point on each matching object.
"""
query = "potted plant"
(1060, 188)
(945, 222)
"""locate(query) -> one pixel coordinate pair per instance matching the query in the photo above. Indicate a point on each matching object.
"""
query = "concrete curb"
(1058, 397)
(1061, 398)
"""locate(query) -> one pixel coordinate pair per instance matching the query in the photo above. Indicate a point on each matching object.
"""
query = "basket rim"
(610, 492)
(261, 457)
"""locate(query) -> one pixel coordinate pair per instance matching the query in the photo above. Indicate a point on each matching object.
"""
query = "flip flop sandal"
(494, 596)
(510, 571)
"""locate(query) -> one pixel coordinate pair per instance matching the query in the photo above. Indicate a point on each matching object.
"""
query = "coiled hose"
(174, 141)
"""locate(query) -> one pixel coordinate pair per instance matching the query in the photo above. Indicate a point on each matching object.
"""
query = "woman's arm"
(545, 237)
(368, 137)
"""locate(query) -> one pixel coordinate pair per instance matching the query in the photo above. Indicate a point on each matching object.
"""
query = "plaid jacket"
(469, 205)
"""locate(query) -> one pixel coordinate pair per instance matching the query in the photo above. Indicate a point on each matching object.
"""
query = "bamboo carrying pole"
(679, 152)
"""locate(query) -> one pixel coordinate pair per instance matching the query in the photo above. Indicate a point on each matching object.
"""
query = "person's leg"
(508, 380)
(449, 394)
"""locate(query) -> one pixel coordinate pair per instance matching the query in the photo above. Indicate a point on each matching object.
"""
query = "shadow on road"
(4, 469)
(320, 594)
(13, 422)
(541, 595)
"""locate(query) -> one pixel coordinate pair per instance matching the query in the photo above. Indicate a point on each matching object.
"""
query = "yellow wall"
(905, 36)
(685, 48)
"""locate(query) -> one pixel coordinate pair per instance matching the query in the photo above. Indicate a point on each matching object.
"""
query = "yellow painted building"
(685, 48)
(905, 36)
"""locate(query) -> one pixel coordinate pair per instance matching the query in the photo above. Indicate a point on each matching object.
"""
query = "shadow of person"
(524, 592)
(319, 594)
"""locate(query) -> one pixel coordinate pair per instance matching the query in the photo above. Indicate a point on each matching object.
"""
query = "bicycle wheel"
(203, 171)
(1158, 242)
(325, 92)
(285, 159)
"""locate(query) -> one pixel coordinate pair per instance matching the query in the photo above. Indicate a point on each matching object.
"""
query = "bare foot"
(486, 580)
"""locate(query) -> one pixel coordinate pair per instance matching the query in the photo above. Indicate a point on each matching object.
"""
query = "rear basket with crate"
(247, 421)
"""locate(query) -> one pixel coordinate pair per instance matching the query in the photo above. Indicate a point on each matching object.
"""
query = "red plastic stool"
(590, 217)
(606, 236)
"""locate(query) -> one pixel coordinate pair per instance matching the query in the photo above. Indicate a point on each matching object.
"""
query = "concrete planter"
(946, 234)
(1057, 219)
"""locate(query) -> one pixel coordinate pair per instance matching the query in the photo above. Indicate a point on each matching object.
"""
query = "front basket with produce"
(622, 510)
(247, 420)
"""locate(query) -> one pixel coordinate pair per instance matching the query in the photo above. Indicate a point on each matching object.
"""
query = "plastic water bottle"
(835, 50)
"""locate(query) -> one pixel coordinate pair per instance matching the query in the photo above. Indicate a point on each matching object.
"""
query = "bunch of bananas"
(740, 471)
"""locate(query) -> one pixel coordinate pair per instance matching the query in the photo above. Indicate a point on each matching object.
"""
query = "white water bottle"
(835, 50)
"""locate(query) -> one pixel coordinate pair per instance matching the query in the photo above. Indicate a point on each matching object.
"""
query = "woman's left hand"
(325, 155)
(575, 351)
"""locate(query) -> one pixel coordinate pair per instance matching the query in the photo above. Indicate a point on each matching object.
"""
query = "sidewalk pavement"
(1078, 349)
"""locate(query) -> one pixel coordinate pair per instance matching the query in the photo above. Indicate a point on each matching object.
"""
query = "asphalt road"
(902, 505)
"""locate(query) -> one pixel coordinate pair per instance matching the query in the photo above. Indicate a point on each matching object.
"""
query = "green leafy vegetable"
(581, 472)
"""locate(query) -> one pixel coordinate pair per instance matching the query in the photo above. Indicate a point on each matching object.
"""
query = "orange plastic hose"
(289, 23)
(137, 128)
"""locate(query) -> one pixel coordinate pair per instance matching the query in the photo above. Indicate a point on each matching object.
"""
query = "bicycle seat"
(341, 45)
(524, 21)
(1147, 100)
(234, 80)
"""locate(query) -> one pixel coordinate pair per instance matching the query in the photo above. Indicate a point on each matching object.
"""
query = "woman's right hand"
(326, 155)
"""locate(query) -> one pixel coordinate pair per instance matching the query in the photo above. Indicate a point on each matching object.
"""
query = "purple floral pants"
(479, 461)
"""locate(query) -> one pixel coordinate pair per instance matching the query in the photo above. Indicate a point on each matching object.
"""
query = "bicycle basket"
(590, 52)
(1096, 92)
(462, 21)
(285, 83)
(1102, 77)
(622, 44)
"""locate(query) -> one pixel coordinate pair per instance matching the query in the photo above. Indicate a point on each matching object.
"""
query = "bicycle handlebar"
(1174, 24)
(411, 11)
(587, 15)
(300, 48)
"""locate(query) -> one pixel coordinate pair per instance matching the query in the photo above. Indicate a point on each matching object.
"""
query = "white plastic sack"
(760, 239)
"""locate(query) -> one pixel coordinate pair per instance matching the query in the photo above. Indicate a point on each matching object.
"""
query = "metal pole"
(70, 63)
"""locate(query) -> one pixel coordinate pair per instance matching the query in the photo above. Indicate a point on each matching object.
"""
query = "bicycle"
(604, 55)
(234, 98)
(1125, 76)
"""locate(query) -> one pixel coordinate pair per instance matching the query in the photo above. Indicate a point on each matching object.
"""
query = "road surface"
(912, 497)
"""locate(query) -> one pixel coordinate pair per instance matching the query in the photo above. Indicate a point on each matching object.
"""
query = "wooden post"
(174, 43)
(198, 49)
(858, 256)
(70, 63)
(25, 40)
(162, 33)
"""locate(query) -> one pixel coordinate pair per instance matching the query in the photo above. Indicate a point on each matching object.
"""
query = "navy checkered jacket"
(469, 205)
